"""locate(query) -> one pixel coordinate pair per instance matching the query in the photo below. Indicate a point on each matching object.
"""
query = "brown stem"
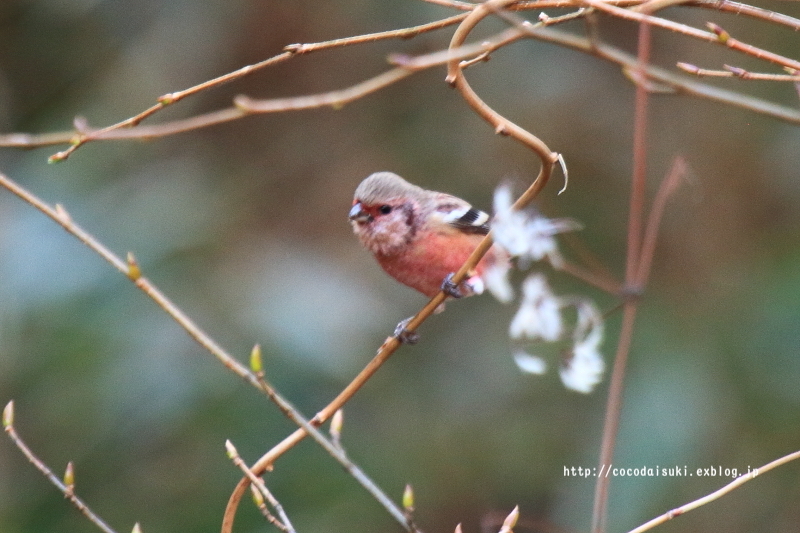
(614, 402)
(712, 36)
(733, 485)
(392, 343)
(665, 190)
(67, 490)
(603, 283)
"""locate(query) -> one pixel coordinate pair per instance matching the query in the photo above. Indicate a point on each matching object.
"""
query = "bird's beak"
(357, 213)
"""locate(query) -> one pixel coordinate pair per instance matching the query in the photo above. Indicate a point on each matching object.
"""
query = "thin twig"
(759, 13)
(402, 33)
(630, 307)
(405, 67)
(291, 50)
(67, 490)
(246, 106)
(335, 99)
(712, 36)
(126, 130)
(452, 3)
(501, 125)
(680, 84)
(733, 485)
(392, 343)
(736, 72)
(668, 185)
(78, 139)
(725, 6)
(596, 280)
(132, 271)
(62, 218)
(163, 101)
(309, 427)
(636, 280)
(284, 522)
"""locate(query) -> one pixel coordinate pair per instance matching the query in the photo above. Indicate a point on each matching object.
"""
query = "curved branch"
(392, 343)
(131, 128)
(501, 125)
(131, 269)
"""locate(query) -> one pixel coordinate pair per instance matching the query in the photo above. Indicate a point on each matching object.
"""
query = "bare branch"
(736, 72)
(717, 35)
(665, 190)
(733, 485)
(681, 84)
(67, 488)
(131, 270)
(284, 523)
(130, 128)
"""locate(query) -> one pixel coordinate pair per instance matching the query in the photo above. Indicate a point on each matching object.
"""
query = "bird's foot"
(405, 336)
(450, 288)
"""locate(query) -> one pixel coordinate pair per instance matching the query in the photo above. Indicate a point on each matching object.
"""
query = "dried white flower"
(585, 368)
(496, 279)
(530, 364)
(539, 314)
(508, 225)
(527, 235)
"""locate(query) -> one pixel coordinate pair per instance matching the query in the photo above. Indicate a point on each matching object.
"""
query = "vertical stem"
(611, 424)
(635, 225)
(636, 214)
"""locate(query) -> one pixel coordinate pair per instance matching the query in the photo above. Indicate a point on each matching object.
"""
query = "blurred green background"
(244, 226)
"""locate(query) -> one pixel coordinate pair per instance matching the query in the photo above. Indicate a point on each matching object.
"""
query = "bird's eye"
(385, 209)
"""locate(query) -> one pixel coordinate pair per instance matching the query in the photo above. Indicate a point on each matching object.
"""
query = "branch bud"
(408, 499)
(721, 34)
(58, 157)
(231, 449)
(8, 415)
(337, 422)
(510, 521)
(69, 478)
(736, 71)
(258, 498)
(62, 213)
(255, 360)
(134, 272)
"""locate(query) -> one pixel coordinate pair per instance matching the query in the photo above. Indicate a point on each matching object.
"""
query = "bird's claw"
(450, 288)
(405, 336)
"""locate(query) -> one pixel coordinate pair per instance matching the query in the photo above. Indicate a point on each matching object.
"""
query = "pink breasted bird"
(421, 237)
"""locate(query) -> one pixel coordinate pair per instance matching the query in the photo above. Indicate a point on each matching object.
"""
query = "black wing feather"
(473, 221)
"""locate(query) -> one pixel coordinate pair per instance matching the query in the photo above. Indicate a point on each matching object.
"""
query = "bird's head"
(385, 212)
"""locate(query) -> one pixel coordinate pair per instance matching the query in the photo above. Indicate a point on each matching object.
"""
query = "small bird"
(420, 237)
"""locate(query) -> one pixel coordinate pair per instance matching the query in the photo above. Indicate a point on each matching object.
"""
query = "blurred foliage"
(244, 226)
